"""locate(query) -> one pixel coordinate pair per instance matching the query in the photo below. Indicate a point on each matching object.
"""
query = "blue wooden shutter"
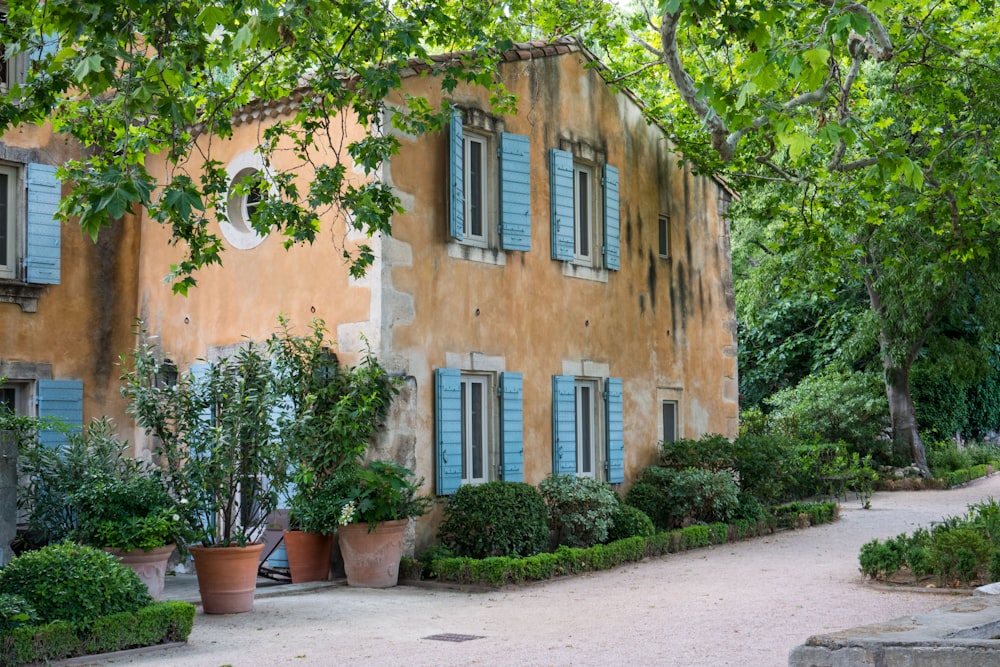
(561, 177)
(42, 256)
(511, 427)
(456, 166)
(515, 192)
(612, 219)
(563, 425)
(448, 429)
(615, 436)
(62, 400)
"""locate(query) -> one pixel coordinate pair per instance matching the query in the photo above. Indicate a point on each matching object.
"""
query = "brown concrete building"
(557, 293)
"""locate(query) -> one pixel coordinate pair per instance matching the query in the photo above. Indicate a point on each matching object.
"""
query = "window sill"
(23, 294)
(572, 270)
(459, 250)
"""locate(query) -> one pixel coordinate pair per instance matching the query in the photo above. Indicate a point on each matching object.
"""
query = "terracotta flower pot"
(151, 566)
(227, 577)
(308, 555)
(371, 559)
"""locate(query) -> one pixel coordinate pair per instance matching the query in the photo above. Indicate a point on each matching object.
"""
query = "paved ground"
(745, 604)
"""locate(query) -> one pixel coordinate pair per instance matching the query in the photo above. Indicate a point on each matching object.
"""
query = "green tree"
(129, 79)
(877, 119)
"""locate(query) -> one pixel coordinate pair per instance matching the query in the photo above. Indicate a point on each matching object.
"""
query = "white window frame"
(13, 224)
(587, 425)
(584, 215)
(485, 428)
(487, 214)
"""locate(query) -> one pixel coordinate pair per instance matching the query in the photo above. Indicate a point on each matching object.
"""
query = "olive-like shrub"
(495, 519)
(580, 509)
(74, 583)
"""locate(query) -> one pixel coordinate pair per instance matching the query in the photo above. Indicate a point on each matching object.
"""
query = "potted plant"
(380, 503)
(331, 413)
(91, 491)
(216, 438)
(313, 516)
(132, 517)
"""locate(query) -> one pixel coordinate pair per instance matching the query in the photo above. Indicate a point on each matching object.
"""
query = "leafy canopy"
(131, 79)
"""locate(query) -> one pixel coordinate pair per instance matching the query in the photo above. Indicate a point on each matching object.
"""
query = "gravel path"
(745, 604)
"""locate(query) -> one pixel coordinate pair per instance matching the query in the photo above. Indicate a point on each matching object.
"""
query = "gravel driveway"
(745, 604)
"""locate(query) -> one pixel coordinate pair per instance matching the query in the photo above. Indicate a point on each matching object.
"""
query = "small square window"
(664, 232)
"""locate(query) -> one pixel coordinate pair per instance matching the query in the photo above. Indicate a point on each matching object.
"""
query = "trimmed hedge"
(502, 570)
(965, 475)
(158, 623)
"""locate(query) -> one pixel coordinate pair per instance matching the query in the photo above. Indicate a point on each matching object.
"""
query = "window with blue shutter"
(561, 196)
(62, 400)
(615, 436)
(456, 177)
(448, 430)
(42, 253)
(612, 219)
(515, 192)
(563, 425)
(511, 427)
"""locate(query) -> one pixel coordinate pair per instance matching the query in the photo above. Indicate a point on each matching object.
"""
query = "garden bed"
(503, 570)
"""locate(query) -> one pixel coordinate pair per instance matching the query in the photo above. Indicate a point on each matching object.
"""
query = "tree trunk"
(904, 415)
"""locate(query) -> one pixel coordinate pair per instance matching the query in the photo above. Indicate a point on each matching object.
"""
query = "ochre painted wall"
(665, 326)
(84, 323)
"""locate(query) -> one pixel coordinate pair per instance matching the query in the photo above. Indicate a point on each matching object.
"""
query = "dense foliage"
(133, 79)
(581, 509)
(495, 519)
(676, 498)
(628, 521)
(958, 551)
(75, 583)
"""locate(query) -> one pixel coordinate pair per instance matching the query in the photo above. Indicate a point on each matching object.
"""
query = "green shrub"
(835, 405)
(959, 553)
(767, 466)
(651, 501)
(495, 519)
(944, 457)
(629, 521)
(73, 583)
(711, 452)
(15, 611)
(50, 475)
(681, 497)
(581, 509)
(880, 560)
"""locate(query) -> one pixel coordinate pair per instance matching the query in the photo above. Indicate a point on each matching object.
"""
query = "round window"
(247, 188)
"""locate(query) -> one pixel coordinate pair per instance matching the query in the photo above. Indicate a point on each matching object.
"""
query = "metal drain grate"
(451, 637)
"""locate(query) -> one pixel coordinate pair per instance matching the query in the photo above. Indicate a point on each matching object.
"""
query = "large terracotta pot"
(151, 566)
(308, 555)
(371, 559)
(227, 577)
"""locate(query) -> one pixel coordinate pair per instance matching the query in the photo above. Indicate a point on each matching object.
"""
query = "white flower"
(347, 513)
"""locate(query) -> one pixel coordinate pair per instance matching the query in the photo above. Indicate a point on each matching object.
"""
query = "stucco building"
(557, 293)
